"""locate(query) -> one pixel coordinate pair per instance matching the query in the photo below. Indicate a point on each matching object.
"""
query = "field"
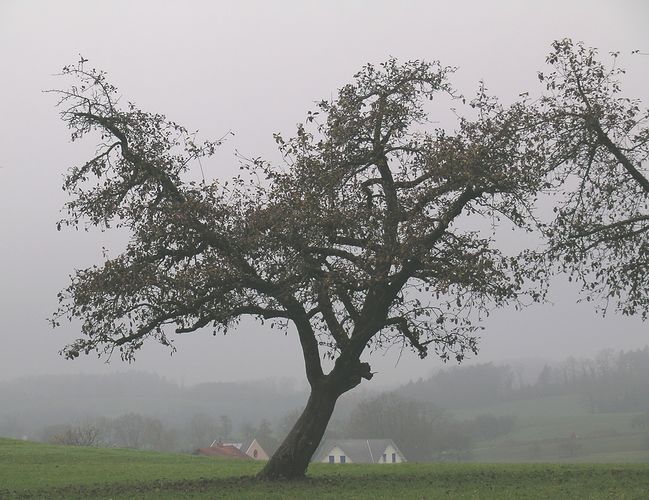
(31, 470)
(543, 428)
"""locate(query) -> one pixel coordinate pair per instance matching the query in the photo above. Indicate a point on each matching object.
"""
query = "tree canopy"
(360, 239)
(360, 214)
(599, 145)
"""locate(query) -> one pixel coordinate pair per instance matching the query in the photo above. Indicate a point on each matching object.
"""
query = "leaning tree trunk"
(291, 459)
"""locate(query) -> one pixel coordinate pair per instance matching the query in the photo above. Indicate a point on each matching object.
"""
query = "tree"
(359, 240)
(414, 426)
(225, 427)
(265, 436)
(80, 435)
(600, 147)
(129, 430)
(248, 431)
(204, 430)
(133, 430)
(464, 387)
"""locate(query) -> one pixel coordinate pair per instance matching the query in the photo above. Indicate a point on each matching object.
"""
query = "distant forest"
(612, 382)
(139, 410)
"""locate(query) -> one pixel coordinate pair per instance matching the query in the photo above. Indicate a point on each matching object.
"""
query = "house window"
(343, 458)
(332, 459)
(385, 458)
(394, 458)
(255, 453)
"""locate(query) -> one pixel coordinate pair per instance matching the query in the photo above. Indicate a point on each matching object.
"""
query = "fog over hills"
(253, 68)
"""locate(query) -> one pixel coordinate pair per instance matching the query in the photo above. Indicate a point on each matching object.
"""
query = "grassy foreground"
(32, 470)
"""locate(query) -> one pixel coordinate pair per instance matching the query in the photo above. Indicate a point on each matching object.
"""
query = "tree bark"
(291, 459)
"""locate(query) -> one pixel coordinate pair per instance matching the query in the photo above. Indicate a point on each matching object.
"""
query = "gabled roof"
(237, 444)
(225, 451)
(368, 451)
(244, 446)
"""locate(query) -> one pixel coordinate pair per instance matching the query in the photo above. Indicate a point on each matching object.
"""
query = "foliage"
(263, 433)
(354, 240)
(421, 431)
(204, 429)
(335, 240)
(133, 430)
(464, 386)
(360, 238)
(82, 435)
(487, 426)
(265, 436)
(599, 142)
(612, 382)
(609, 382)
(33, 403)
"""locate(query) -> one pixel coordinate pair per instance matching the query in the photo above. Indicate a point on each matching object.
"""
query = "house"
(223, 451)
(360, 451)
(250, 448)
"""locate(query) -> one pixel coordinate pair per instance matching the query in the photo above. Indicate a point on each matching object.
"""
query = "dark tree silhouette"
(360, 240)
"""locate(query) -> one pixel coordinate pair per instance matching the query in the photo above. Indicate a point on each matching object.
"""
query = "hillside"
(560, 429)
(29, 404)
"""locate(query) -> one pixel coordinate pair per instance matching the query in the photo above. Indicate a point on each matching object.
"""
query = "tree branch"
(402, 325)
(642, 181)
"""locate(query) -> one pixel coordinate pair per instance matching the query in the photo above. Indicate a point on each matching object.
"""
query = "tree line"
(145, 432)
(423, 432)
(612, 381)
(418, 415)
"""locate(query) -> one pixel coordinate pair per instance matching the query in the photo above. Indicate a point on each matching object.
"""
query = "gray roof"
(363, 451)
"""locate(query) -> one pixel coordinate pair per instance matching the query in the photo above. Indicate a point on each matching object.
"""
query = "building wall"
(256, 452)
(337, 453)
(388, 456)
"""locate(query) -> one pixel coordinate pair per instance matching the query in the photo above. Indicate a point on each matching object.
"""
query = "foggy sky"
(255, 68)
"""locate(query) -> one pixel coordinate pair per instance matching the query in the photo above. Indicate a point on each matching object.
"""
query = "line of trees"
(131, 430)
(411, 415)
(134, 430)
(422, 431)
(611, 381)
(31, 403)
(464, 386)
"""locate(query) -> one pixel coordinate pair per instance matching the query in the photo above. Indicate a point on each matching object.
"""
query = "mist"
(254, 68)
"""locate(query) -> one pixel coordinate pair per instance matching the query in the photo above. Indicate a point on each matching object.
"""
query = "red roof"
(225, 451)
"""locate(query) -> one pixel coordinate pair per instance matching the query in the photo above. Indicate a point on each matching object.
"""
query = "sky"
(255, 68)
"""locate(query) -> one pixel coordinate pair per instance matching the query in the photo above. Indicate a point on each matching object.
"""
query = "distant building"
(251, 449)
(359, 451)
(223, 451)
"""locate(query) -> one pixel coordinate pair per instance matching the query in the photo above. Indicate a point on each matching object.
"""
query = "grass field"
(543, 426)
(32, 470)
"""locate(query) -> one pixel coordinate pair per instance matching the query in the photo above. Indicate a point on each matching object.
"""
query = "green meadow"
(32, 470)
(542, 431)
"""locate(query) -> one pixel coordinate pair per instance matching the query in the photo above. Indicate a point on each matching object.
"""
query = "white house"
(360, 451)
